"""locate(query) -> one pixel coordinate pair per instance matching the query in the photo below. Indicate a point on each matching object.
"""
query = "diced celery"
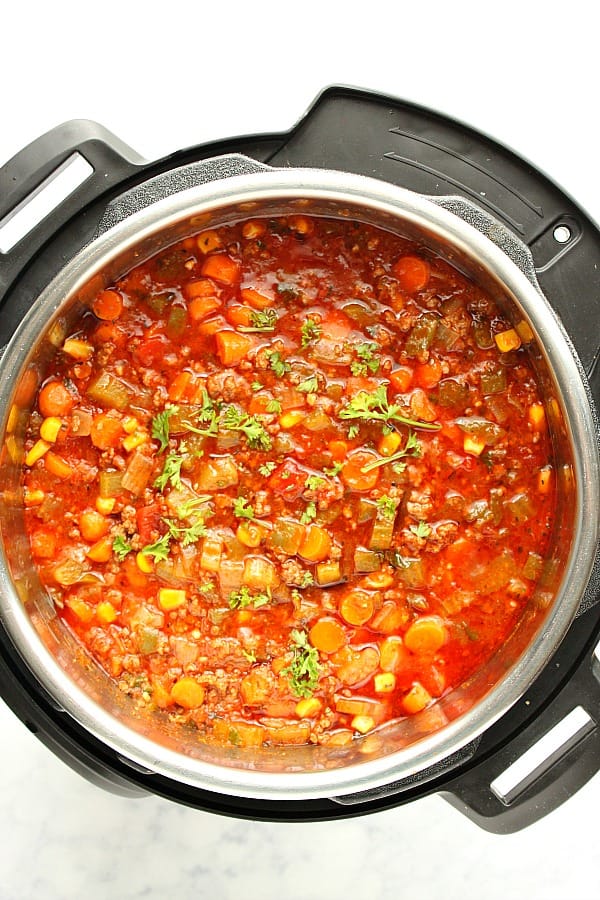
(493, 382)
(328, 573)
(481, 428)
(176, 322)
(452, 393)
(286, 536)
(421, 336)
(110, 484)
(216, 474)
(366, 560)
(104, 388)
(533, 567)
(520, 507)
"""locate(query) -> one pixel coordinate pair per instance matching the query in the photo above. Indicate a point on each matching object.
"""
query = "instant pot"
(522, 735)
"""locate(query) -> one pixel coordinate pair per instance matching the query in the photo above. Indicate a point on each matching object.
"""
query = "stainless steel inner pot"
(406, 749)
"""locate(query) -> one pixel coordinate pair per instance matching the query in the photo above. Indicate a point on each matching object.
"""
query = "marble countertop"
(195, 73)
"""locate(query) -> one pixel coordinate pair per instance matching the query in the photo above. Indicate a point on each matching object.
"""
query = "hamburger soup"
(290, 480)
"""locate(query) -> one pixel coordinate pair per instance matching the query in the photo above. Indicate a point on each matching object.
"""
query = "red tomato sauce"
(290, 480)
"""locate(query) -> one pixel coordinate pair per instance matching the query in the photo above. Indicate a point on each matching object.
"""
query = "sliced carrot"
(222, 268)
(338, 450)
(429, 374)
(316, 544)
(253, 229)
(106, 431)
(356, 607)
(352, 474)
(102, 550)
(426, 635)
(327, 635)
(179, 386)
(212, 325)
(55, 399)
(93, 525)
(56, 465)
(199, 287)
(201, 307)
(416, 699)
(233, 347)
(412, 273)
(255, 298)
(239, 315)
(401, 379)
(135, 577)
(108, 305)
(188, 692)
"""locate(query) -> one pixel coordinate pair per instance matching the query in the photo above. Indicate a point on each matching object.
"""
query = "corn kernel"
(507, 340)
(416, 699)
(106, 613)
(473, 445)
(291, 418)
(13, 418)
(544, 479)
(524, 331)
(105, 505)
(144, 563)
(384, 682)
(253, 229)
(389, 443)
(39, 449)
(33, 498)
(134, 440)
(129, 424)
(207, 241)
(50, 428)
(300, 224)
(363, 724)
(171, 598)
(537, 416)
(78, 349)
(306, 709)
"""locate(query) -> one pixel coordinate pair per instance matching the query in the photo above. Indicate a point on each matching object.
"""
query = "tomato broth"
(290, 479)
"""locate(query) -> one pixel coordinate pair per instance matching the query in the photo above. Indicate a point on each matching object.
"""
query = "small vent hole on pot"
(45, 198)
(562, 234)
(542, 755)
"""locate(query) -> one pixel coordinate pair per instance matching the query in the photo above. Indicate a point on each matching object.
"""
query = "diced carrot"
(135, 577)
(327, 635)
(240, 734)
(356, 607)
(55, 400)
(108, 305)
(352, 472)
(401, 379)
(105, 612)
(255, 298)
(429, 374)
(253, 229)
(102, 550)
(393, 654)
(412, 273)
(199, 287)
(537, 416)
(507, 340)
(426, 635)
(222, 268)
(201, 307)
(212, 325)
(81, 609)
(338, 450)
(188, 692)
(106, 431)
(179, 385)
(43, 543)
(56, 465)
(388, 444)
(93, 525)
(233, 347)
(160, 694)
(316, 545)
(416, 699)
(250, 534)
(239, 315)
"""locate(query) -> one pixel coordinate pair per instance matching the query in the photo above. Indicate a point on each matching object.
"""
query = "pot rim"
(406, 206)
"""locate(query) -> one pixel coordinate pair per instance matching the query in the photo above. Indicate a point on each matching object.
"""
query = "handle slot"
(49, 194)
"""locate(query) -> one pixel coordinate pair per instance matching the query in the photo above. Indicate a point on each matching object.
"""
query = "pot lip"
(376, 196)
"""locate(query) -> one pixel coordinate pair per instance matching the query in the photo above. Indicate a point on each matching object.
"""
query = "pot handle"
(51, 180)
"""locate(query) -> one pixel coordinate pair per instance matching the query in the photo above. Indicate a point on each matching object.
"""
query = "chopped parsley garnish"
(333, 470)
(121, 548)
(304, 670)
(160, 548)
(309, 385)
(206, 415)
(189, 535)
(307, 579)
(267, 468)
(171, 473)
(160, 427)
(261, 320)
(374, 407)
(242, 509)
(387, 506)
(279, 365)
(207, 587)
(189, 507)
(366, 361)
(309, 513)
(311, 331)
(314, 482)
(256, 435)
(256, 386)
(411, 448)
(242, 599)
(274, 406)
(353, 431)
(422, 530)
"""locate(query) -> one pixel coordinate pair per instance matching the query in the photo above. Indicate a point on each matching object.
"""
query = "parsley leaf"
(411, 448)
(387, 506)
(261, 320)
(242, 599)
(189, 507)
(366, 361)
(121, 548)
(242, 509)
(334, 470)
(422, 530)
(309, 513)
(311, 331)
(256, 435)
(160, 426)
(314, 482)
(267, 468)
(160, 548)
(309, 385)
(274, 406)
(171, 473)
(370, 407)
(304, 670)
(279, 365)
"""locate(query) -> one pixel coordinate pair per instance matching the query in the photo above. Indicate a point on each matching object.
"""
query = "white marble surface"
(172, 76)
